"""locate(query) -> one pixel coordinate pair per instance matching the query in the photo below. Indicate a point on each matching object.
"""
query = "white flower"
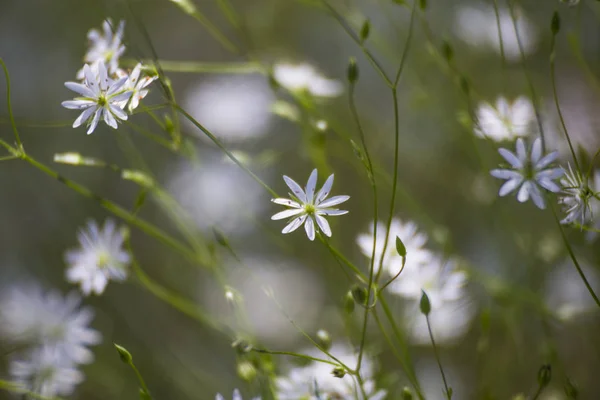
(136, 85)
(575, 196)
(100, 258)
(304, 77)
(506, 121)
(416, 254)
(449, 322)
(236, 396)
(529, 171)
(308, 208)
(33, 318)
(42, 373)
(105, 47)
(101, 97)
(315, 380)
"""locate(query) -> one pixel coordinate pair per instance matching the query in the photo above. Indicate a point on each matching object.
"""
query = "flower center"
(102, 101)
(103, 259)
(309, 209)
(528, 171)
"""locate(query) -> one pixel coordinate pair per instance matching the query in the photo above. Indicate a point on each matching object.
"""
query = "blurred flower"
(101, 257)
(315, 381)
(309, 208)
(47, 320)
(233, 108)
(478, 27)
(575, 196)
(42, 373)
(137, 87)
(506, 121)
(304, 77)
(449, 321)
(102, 97)
(416, 254)
(529, 171)
(105, 47)
(236, 396)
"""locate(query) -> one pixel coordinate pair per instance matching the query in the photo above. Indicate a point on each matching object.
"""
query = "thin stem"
(406, 46)
(392, 279)
(243, 67)
(9, 103)
(298, 355)
(437, 358)
(500, 39)
(140, 378)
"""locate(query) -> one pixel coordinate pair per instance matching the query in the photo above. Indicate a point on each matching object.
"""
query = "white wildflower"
(575, 196)
(236, 396)
(304, 77)
(105, 47)
(315, 380)
(309, 208)
(101, 257)
(101, 98)
(137, 86)
(505, 121)
(449, 322)
(529, 170)
(42, 373)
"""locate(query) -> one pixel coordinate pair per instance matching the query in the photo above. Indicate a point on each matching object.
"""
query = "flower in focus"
(136, 85)
(529, 170)
(105, 47)
(42, 373)
(315, 380)
(236, 396)
(309, 208)
(30, 317)
(101, 98)
(304, 77)
(101, 258)
(506, 121)
(575, 196)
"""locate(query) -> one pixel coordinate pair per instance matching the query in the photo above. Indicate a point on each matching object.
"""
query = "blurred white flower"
(505, 121)
(315, 380)
(233, 108)
(136, 85)
(576, 196)
(105, 47)
(529, 170)
(449, 321)
(309, 208)
(304, 77)
(236, 396)
(478, 27)
(42, 373)
(32, 318)
(565, 292)
(100, 258)
(101, 98)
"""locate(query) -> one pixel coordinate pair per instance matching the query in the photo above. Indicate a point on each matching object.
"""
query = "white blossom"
(529, 170)
(137, 86)
(309, 208)
(576, 196)
(99, 259)
(236, 396)
(101, 98)
(105, 47)
(304, 77)
(506, 121)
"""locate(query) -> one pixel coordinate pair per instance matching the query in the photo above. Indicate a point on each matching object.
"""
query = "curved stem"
(298, 355)
(437, 358)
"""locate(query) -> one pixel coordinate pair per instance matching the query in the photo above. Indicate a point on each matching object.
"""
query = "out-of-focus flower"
(136, 85)
(100, 258)
(315, 381)
(478, 27)
(32, 318)
(506, 121)
(236, 396)
(232, 108)
(449, 321)
(105, 47)
(42, 373)
(576, 196)
(529, 170)
(304, 77)
(101, 98)
(309, 208)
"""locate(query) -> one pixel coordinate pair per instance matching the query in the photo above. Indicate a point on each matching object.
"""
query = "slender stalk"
(501, 40)
(9, 103)
(298, 355)
(243, 67)
(437, 358)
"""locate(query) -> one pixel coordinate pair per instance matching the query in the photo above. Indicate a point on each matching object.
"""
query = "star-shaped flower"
(505, 121)
(105, 46)
(529, 170)
(136, 85)
(309, 208)
(576, 195)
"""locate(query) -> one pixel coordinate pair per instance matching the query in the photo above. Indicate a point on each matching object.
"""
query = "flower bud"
(338, 372)
(364, 31)
(323, 339)
(246, 370)
(400, 248)
(447, 51)
(352, 71)
(422, 4)
(359, 294)
(144, 395)
(124, 355)
(555, 23)
(544, 375)
(241, 346)
(349, 302)
(425, 305)
(407, 393)
(571, 390)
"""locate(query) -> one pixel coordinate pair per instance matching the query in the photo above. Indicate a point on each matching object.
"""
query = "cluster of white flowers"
(424, 270)
(305, 78)
(52, 336)
(106, 91)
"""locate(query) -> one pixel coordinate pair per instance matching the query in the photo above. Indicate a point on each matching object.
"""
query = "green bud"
(352, 71)
(364, 31)
(447, 51)
(407, 393)
(123, 354)
(450, 393)
(359, 294)
(425, 305)
(246, 371)
(349, 302)
(169, 126)
(338, 372)
(219, 237)
(324, 339)
(400, 248)
(422, 4)
(571, 390)
(241, 346)
(544, 375)
(555, 24)
(138, 177)
(144, 395)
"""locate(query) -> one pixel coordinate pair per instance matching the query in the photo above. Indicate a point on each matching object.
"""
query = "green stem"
(437, 358)
(242, 67)
(298, 355)
(9, 103)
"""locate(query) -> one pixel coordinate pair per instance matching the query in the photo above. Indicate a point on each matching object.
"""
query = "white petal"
(81, 89)
(103, 79)
(109, 119)
(311, 185)
(121, 97)
(521, 150)
(323, 225)
(118, 112)
(94, 121)
(546, 160)
(295, 224)
(548, 185)
(505, 174)
(309, 226)
(509, 186)
(295, 188)
(332, 212)
(553, 173)
(287, 214)
(286, 202)
(335, 200)
(523, 194)
(91, 80)
(77, 104)
(324, 192)
(84, 116)
(536, 151)
(116, 86)
(512, 159)
(537, 197)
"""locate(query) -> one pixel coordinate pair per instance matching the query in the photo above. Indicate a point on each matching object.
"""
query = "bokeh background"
(517, 262)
